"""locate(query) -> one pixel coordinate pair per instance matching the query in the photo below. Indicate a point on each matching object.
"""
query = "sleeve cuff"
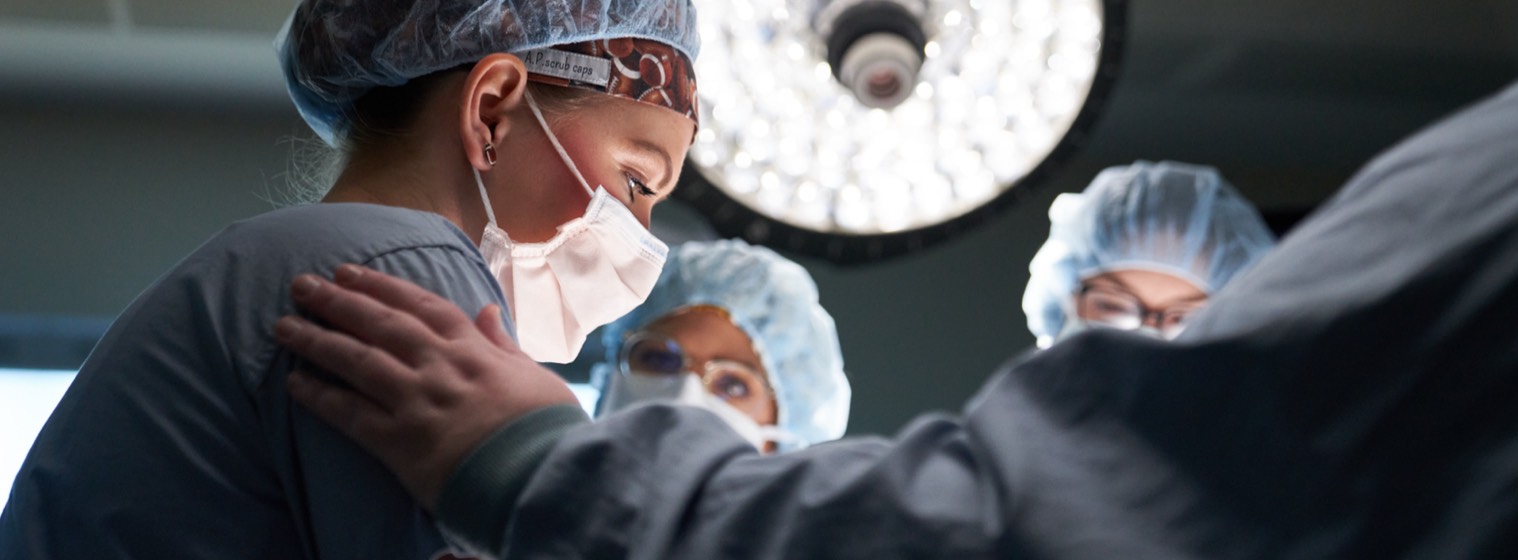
(476, 505)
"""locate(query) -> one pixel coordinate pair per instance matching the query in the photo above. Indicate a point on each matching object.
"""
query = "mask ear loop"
(485, 197)
(781, 437)
(532, 104)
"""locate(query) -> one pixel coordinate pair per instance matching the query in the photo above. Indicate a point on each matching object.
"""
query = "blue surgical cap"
(774, 302)
(334, 51)
(1169, 217)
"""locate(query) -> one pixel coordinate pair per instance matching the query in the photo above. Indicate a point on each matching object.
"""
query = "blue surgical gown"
(1355, 395)
(178, 440)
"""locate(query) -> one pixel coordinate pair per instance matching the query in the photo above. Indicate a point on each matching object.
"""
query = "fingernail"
(304, 285)
(286, 327)
(348, 273)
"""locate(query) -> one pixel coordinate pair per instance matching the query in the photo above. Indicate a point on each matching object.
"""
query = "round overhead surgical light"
(860, 129)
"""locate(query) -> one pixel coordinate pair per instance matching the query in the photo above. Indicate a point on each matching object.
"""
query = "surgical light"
(861, 129)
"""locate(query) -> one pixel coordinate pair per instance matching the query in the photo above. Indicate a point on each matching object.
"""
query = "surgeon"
(475, 166)
(1141, 249)
(1351, 396)
(737, 330)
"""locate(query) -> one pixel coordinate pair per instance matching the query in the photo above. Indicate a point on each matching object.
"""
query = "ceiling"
(1303, 82)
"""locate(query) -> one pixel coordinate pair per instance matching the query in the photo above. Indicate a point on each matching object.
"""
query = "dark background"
(131, 131)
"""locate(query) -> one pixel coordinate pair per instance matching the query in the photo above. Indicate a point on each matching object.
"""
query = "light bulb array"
(1001, 83)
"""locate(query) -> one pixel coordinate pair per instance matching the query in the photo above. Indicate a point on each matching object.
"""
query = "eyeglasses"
(1117, 309)
(645, 353)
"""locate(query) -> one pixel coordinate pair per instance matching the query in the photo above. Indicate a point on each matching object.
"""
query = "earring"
(490, 154)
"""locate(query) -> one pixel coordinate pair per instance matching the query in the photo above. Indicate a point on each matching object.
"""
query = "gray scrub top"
(1354, 395)
(177, 439)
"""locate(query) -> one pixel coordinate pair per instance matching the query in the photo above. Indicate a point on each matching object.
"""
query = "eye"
(653, 356)
(731, 388)
(1107, 303)
(636, 187)
(734, 382)
(1110, 306)
(1179, 316)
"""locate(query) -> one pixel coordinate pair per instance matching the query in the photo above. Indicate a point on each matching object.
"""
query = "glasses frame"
(705, 373)
(1144, 312)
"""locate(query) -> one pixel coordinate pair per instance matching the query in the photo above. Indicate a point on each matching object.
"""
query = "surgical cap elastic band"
(637, 69)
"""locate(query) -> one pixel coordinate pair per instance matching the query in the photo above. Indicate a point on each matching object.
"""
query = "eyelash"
(636, 187)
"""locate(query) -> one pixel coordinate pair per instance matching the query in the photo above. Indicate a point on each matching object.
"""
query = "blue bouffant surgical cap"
(334, 51)
(1169, 217)
(774, 302)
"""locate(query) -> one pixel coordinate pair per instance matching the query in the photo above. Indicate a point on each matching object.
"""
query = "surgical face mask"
(1075, 325)
(595, 269)
(625, 390)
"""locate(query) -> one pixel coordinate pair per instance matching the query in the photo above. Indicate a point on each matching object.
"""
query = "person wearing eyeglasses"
(737, 330)
(1141, 249)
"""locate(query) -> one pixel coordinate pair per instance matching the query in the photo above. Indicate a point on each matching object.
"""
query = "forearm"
(1027, 470)
(671, 482)
(480, 497)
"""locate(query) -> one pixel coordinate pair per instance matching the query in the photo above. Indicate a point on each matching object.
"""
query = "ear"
(494, 88)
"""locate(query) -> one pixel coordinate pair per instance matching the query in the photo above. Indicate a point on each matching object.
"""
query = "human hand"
(427, 385)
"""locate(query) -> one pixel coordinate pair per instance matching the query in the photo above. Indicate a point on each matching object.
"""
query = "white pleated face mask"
(596, 268)
(625, 390)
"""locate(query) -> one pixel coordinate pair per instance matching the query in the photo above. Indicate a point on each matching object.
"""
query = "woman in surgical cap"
(504, 154)
(737, 330)
(1141, 249)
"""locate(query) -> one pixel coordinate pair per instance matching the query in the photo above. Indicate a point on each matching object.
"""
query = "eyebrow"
(1121, 285)
(722, 356)
(663, 157)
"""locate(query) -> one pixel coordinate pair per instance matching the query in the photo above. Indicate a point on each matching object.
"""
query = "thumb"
(490, 325)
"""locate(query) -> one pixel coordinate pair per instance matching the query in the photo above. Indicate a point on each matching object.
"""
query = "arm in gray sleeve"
(672, 482)
(484, 489)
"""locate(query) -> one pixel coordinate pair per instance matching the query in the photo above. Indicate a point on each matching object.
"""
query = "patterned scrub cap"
(637, 69)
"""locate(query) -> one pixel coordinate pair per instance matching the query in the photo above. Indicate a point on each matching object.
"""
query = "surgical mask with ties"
(595, 269)
(625, 390)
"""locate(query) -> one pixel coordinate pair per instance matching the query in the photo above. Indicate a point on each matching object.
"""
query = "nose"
(645, 215)
(640, 209)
